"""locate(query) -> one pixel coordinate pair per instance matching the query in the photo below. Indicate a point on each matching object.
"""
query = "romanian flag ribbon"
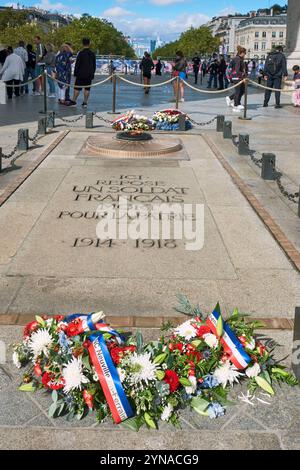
(230, 342)
(106, 371)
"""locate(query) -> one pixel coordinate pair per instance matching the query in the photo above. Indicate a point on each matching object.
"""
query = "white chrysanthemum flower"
(166, 414)
(16, 360)
(251, 344)
(190, 390)
(73, 375)
(39, 342)
(186, 330)
(211, 340)
(253, 371)
(121, 373)
(227, 372)
(142, 369)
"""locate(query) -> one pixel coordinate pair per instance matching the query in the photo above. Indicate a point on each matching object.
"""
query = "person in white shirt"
(22, 52)
(12, 73)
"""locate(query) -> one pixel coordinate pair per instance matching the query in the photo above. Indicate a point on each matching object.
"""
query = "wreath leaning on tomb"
(89, 367)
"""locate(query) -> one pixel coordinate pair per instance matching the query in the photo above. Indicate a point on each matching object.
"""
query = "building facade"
(259, 34)
(224, 28)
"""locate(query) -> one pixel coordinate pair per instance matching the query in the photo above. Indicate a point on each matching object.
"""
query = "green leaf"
(199, 405)
(52, 409)
(160, 358)
(86, 362)
(262, 383)
(40, 320)
(160, 374)
(185, 382)
(218, 308)
(54, 396)
(27, 387)
(219, 327)
(139, 341)
(278, 371)
(149, 421)
(132, 423)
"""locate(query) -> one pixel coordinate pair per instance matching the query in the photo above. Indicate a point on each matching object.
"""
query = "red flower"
(37, 369)
(179, 346)
(86, 344)
(194, 355)
(73, 329)
(49, 381)
(203, 330)
(117, 352)
(172, 379)
(30, 328)
(59, 317)
(88, 398)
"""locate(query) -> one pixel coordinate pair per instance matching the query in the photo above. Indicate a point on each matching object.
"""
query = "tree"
(12, 18)
(12, 35)
(193, 40)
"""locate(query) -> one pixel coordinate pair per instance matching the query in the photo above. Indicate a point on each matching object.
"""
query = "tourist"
(84, 72)
(3, 55)
(111, 69)
(204, 68)
(196, 66)
(179, 70)
(69, 70)
(275, 70)
(49, 60)
(30, 69)
(237, 73)
(260, 72)
(213, 71)
(12, 73)
(22, 52)
(158, 67)
(296, 80)
(146, 67)
(40, 53)
(62, 72)
(222, 73)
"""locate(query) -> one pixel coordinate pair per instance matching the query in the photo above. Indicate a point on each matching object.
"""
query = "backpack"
(230, 71)
(272, 64)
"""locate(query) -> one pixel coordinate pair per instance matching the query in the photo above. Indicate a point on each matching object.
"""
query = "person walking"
(179, 70)
(275, 70)
(260, 73)
(158, 67)
(12, 73)
(22, 52)
(40, 52)
(49, 60)
(204, 68)
(213, 71)
(222, 72)
(30, 69)
(237, 72)
(85, 68)
(146, 67)
(196, 66)
(62, 64)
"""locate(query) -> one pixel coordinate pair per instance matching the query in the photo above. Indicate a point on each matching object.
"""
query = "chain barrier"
(20, 85)
(290, 196)
(257, 161)
(101, 118)
(12, 153)
(72, 120)
(235, 140)
(34, 138)
(281, 90)
(204, 123)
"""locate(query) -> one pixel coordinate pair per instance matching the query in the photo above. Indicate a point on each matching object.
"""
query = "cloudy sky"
(140, 18)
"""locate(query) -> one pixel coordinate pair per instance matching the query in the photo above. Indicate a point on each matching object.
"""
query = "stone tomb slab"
(64, 243)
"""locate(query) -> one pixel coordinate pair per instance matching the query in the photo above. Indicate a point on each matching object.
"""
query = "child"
(296, 94)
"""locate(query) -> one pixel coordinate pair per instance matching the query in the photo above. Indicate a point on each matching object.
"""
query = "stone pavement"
(24, 421)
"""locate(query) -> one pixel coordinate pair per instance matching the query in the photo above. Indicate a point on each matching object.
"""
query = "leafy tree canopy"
(11, 18)
(193, 40)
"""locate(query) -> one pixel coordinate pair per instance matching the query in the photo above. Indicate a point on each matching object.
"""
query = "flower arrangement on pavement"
(88, 366)
(133, 122)
(168, 120)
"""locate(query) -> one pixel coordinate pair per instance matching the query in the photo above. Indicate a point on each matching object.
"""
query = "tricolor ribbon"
(106, 371)
(230, 342)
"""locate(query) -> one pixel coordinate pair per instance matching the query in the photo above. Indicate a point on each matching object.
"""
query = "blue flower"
(210, 382)
(215, 410)
(63, 340)
(206, 354)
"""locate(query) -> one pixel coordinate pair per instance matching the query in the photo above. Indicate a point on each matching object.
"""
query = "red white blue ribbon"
(106, 371)
(230, 342)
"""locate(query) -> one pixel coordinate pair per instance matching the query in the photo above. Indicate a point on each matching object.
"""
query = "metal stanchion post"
(42, 126)
(44, 76)
(220, 122)
(23, 139)
(114, 96)
(243, 145)
(89, 120)
(268, 169)
(177, 92)
(227, 130)
(181, 122)
(245, 117)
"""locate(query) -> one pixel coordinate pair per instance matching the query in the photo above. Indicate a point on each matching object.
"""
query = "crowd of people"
(26, 63)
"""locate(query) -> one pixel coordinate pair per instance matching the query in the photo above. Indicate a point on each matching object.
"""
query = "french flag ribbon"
(230, 342)
(106, 371)
(109, 380)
